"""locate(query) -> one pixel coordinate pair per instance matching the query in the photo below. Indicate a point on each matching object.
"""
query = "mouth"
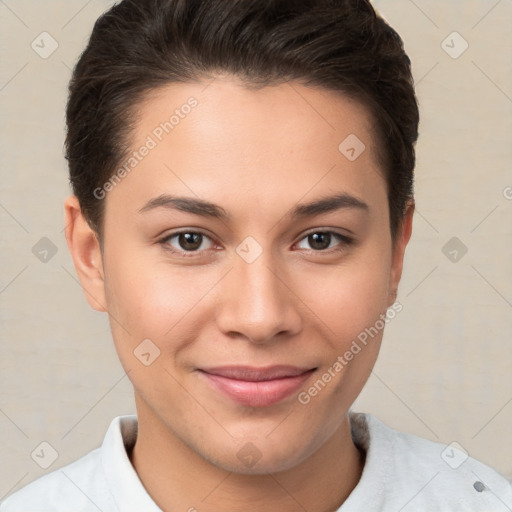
(256, 387)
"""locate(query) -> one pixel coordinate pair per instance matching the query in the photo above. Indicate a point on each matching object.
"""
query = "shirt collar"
(122, 479)
(130, 495)
(371, 436)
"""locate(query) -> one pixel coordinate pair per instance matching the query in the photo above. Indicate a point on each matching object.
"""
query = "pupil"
(190, 241)
(320, 240)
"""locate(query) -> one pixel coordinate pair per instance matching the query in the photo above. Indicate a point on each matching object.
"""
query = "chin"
(257, 462)
(260, 455)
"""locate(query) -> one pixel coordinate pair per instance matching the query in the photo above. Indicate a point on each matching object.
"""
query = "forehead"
(225, 111)
(219, 139)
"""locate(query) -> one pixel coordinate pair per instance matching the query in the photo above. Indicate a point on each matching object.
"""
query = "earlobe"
(85, 250)
(402, 239)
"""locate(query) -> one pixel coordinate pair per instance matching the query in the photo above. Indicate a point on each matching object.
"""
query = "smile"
(256, 387)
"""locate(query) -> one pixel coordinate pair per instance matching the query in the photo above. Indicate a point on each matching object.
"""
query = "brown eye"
(190, 241)
(187, 242)
(321, 240)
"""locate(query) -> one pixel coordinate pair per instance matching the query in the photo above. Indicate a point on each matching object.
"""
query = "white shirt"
(402, 472)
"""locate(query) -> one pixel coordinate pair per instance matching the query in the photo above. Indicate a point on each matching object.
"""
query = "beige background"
(445, 368)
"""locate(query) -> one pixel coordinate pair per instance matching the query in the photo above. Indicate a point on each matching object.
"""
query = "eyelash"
(344, 239)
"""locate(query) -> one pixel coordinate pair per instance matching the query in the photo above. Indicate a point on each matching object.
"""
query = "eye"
(193, 243)
(322, 240)
(187, 242)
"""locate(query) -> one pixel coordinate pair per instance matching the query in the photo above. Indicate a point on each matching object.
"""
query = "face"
(244, 254)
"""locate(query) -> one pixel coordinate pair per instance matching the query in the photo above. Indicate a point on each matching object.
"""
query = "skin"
(257, 154)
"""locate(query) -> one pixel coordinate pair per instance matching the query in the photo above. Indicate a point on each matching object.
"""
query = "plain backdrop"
(444, 371)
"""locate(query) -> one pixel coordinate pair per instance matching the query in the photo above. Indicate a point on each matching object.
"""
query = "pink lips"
(256, 387)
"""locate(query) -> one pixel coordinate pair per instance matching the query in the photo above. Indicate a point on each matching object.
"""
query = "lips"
(256, 387)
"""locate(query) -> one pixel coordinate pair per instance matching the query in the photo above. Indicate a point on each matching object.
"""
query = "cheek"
(148, 299)
(149, 314)
(349, 304)
(348, 298)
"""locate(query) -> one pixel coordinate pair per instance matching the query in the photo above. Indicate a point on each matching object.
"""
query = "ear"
(85, 250)
(402, 239)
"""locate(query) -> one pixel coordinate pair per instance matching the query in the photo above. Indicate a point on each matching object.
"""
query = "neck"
(177, 478)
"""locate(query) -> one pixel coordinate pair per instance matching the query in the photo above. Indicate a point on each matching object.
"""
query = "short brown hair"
(139, 45)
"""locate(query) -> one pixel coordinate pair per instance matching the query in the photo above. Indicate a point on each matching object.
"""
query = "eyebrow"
(208, 209)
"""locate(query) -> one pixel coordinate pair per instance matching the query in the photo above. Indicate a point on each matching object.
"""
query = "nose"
(257, 303)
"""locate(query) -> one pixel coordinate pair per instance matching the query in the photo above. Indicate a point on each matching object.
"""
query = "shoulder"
(82, 483)
(77, 483)
(420, 474)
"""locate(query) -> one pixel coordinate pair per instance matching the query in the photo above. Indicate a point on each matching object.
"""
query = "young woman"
(242, 177)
